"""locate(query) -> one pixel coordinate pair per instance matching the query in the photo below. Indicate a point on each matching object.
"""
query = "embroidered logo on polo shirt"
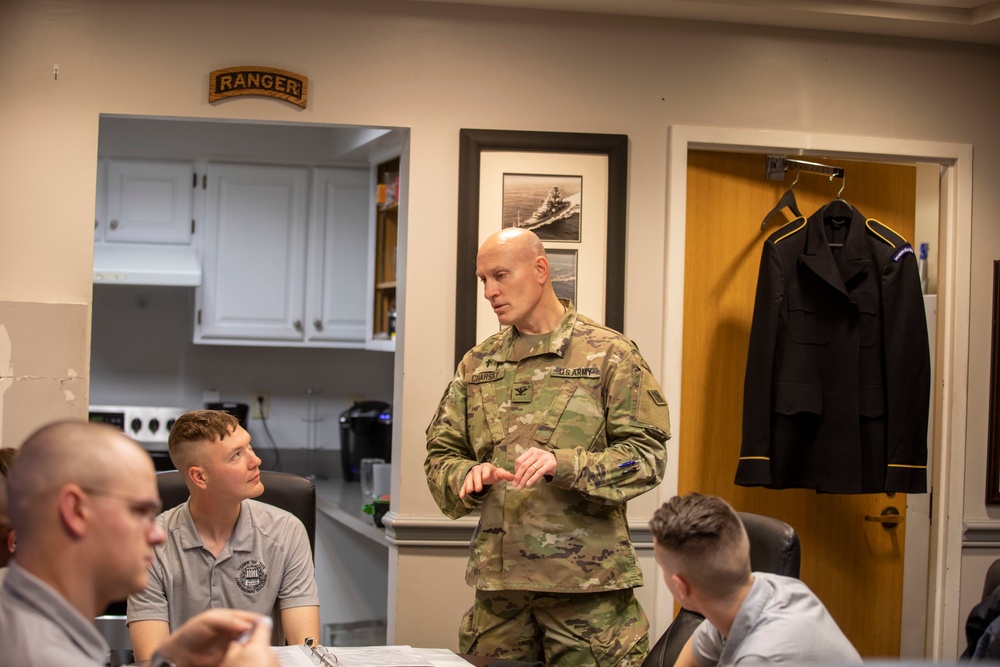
(253, 576)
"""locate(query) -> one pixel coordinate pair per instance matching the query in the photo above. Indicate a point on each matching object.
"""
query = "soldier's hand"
(532, 466)
(481, 476)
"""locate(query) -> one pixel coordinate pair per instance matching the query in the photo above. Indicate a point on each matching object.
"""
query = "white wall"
(437, 69)
(142, 354)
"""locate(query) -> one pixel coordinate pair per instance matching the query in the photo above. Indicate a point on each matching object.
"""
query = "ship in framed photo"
(548, 205)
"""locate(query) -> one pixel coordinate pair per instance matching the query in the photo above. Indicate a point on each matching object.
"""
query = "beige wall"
(437, 69)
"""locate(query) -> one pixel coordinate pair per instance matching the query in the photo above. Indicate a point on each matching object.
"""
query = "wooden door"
(854, 566)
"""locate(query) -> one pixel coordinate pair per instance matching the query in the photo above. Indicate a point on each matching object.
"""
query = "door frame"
(940, 634)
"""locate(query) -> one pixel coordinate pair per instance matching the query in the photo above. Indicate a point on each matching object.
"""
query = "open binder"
(312, 654)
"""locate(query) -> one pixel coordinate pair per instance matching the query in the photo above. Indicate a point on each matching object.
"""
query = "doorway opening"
(292, 293)
(295, 297)
(935, 635)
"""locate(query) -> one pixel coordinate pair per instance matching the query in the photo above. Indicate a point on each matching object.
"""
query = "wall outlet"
(259, 405)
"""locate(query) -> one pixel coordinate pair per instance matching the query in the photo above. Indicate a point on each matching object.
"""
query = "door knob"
(890, 518)
(114, 224)
(318, 324)
(298, 325)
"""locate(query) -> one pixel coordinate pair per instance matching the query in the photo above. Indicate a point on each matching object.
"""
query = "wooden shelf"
(386, 231)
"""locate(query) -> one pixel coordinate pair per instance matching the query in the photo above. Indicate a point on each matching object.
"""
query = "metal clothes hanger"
(838, 209)
(787, 199)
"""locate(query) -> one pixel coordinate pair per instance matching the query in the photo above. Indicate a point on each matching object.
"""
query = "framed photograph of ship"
(562, 268)
(549, 205)
(497, 168)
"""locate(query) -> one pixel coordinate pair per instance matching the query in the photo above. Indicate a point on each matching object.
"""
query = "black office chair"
(982, 616)
(293, 493)
(774, 548)
(992, 579)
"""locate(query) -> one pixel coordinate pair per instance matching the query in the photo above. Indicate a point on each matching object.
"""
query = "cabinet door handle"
(318, 324)
(113, 224)
(298, 325)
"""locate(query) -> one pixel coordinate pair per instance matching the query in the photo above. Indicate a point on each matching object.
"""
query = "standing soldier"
(548, 428)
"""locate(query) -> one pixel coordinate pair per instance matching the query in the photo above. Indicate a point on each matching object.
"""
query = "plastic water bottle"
(922, 266)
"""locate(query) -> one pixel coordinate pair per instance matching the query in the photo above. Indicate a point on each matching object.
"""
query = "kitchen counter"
(341, 501)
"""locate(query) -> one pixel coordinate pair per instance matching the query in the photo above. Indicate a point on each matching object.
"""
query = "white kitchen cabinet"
(337, 262)
(281, 267)
(146, 201)
(253, 271)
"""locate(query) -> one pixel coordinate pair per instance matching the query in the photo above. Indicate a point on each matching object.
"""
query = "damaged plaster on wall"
(41, 347)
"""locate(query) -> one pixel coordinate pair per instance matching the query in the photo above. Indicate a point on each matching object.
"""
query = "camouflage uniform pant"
(565, 629)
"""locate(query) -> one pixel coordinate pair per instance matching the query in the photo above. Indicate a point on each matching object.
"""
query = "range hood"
(146, 264)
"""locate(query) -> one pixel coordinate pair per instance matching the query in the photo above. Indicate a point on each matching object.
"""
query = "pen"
(627, 464)
(248, 633)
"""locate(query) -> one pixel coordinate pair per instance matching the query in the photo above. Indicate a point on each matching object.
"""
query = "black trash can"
(365, 432)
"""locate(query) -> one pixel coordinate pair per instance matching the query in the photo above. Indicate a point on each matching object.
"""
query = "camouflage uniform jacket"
(589, 398)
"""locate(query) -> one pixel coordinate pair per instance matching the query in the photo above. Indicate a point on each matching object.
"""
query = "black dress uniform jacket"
(837, 385)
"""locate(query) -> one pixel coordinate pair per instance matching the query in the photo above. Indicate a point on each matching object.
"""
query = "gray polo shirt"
(38, 626)
(267, 560)
(780, 621)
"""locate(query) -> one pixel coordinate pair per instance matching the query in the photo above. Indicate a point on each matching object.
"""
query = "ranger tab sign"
(252, 80)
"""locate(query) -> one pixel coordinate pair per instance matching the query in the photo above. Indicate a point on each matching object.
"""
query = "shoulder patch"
(657, 397)
(886, 233)
(905, 250)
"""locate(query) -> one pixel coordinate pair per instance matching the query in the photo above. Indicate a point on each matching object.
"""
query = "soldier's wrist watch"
(159, 660)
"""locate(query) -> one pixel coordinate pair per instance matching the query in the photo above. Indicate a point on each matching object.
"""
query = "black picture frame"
(472, 143)
(993, 450)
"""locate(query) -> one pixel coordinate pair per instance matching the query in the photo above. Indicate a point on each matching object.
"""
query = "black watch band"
(159, 661)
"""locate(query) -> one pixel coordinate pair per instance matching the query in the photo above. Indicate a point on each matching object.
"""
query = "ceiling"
(972, 21)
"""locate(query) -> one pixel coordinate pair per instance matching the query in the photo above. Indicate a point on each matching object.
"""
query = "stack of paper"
(352, 656)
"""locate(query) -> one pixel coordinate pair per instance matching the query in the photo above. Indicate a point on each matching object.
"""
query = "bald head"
(518, 244)
(89, 455)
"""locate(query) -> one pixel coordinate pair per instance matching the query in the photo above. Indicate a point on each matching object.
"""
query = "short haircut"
(60, 453)
(6, 456)
(706, 542)
(194, 428)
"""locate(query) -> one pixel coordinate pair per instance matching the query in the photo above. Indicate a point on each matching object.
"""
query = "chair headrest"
(774, 545)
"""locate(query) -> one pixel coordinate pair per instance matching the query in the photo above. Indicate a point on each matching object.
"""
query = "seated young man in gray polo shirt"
(223, 549)
(750, 617)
